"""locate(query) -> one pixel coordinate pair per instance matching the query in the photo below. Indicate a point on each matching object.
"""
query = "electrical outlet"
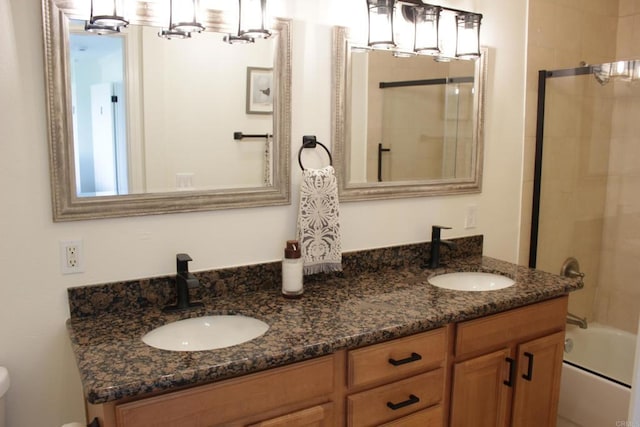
(71, 257)
(471, 218)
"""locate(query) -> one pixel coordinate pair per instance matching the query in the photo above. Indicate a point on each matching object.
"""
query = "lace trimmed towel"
(318, 221)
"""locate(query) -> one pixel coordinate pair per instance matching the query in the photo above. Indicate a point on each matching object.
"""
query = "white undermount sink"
(205, 333)
(471, 281)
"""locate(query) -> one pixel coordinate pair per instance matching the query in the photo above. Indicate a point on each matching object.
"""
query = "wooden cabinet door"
(317, 416)
(480, 393)
(538, 383)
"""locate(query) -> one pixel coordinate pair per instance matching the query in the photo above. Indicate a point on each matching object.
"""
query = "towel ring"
(310, 142)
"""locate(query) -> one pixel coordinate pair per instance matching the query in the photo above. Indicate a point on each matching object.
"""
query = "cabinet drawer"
(373, 407)
(396, 359)
(431, 417)
(229, 400)
(317, 416)
(493, 332)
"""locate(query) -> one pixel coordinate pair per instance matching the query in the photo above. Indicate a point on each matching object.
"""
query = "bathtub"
(596, 376)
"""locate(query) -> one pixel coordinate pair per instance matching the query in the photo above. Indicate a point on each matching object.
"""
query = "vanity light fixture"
(184, 14)
(404, 30)
(439, 31)
(105, 17)
(447, 36)
(468, 35)
(172, 31)
(426, 32)
(237, 38)
(252, 19)
(381, 24)
(251, 22)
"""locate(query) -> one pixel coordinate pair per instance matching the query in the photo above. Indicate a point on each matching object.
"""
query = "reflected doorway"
(99, 114)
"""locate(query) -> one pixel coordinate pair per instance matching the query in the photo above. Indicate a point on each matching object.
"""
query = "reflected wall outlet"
(471, 217)
(71, 257)
(184, 181)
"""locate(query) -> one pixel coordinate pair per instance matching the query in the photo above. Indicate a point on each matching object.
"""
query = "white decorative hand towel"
(318, 221)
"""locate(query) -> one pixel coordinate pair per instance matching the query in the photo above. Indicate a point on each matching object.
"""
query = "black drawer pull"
(529, 375)
(412, 399)
(413, 358)
(512, 371)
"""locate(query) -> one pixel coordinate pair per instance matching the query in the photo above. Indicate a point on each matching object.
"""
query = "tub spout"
(581, 322)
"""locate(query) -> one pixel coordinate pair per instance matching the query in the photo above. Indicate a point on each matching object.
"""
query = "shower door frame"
(543, 75)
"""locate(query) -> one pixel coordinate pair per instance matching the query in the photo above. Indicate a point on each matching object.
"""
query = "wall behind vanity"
(34, 346)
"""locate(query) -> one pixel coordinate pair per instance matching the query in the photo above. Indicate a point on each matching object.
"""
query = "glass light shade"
(184, 16)
(100, 29)
(174, 34)
(426, 31)
(381, 23)
(107, 14)
(253, 15)
(468, 35)
(233, 39)
(446, 36)
(404, 30)
(172, 31)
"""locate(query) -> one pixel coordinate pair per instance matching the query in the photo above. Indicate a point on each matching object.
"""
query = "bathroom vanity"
(375, 345)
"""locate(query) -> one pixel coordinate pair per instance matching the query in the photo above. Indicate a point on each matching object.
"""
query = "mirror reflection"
(140, 124)
(419, 118)
(156, 115)
(406, 126)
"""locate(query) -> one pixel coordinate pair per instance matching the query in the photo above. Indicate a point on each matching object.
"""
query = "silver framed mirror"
(405, 127)
(270, 153)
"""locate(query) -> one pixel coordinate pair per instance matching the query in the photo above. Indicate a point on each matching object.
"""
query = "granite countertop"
(340, 311)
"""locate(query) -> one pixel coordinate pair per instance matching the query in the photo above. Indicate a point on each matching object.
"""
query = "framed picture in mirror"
(259, 90)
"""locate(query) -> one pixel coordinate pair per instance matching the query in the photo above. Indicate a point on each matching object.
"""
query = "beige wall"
(618, 298)
(45, 388)
(590, 185)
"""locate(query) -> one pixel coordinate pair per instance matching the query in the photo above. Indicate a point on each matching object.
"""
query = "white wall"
(33, 343)
(194, 111)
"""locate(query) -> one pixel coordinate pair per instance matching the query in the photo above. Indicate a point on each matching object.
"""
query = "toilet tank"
(4, 386)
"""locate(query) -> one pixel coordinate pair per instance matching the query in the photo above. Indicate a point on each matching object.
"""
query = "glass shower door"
(587, 191)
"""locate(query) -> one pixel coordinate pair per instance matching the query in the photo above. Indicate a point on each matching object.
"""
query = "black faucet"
(436, 242)
(184, 281)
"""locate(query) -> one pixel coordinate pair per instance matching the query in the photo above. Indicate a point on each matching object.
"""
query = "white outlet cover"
(471, 217)
(65, 267)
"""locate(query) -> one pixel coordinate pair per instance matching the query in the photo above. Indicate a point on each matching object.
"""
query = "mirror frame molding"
(67, 206)
(400, 189)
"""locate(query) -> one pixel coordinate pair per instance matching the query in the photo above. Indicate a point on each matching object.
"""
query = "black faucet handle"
(182, 263)
(435, 231)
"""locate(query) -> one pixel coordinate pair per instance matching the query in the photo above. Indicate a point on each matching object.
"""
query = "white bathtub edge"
(634, 406)
(591, 401)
